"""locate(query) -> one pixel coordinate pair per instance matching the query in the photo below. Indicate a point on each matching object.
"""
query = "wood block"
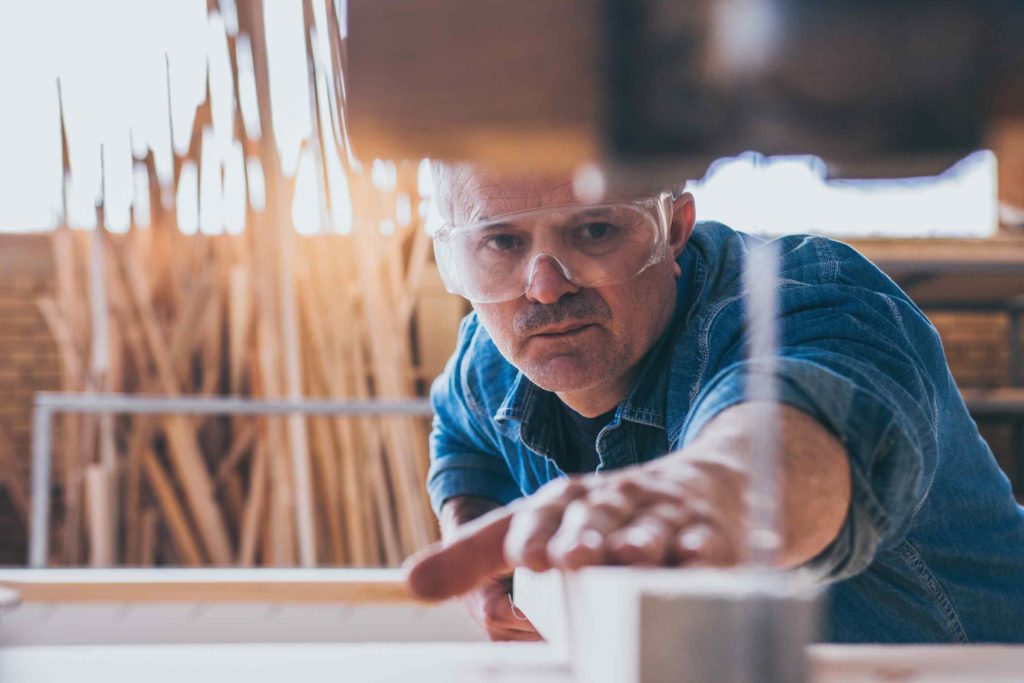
(632, 625)
(541, 596)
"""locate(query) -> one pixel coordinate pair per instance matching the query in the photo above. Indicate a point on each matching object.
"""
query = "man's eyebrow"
(596, 212)
(501, 225)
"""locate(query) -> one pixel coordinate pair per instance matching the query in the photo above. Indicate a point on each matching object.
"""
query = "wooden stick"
(245, 437)
(239, 324)
(100, 505)
(253, 516)
(297, 438)
(150, 520)
(173, 514)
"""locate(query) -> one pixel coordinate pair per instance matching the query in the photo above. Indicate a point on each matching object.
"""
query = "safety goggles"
(592, 245)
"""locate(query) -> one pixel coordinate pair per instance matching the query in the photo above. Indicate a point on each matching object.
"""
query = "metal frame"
(47, 404)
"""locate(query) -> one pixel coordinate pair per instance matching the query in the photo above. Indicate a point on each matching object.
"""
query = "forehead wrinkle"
(482, 200)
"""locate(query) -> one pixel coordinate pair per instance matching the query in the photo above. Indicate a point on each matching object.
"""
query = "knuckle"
(555, 495)
(667, 515)
(558, 487)
(610, 505)
(627, 486)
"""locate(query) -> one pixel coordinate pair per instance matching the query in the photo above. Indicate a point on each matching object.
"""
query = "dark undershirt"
(579, 439)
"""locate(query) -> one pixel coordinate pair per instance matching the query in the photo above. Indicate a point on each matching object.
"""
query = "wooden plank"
(209, 585)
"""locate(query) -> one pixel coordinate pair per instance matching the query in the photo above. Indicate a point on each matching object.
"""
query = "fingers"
(531, 530)
(580, 540)
(647, 540)
(492, 607)
(445, 570)
(611, 523)
(500, 619)
(704, 545)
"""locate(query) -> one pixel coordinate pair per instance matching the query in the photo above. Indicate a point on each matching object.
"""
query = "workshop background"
(245, 252)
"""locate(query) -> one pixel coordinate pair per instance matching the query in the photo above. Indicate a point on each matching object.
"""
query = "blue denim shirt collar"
(527, 408)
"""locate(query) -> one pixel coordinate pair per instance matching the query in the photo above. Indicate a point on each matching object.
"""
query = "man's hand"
(490, 605)
(686, 509)
(662, 513)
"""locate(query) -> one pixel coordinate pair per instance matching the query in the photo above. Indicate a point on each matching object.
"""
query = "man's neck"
(599, 399)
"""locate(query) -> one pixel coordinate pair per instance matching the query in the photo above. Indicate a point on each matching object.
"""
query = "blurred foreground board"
(510, 82)
(877, 89)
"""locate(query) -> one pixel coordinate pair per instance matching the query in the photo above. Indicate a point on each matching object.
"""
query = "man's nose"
(548, 282)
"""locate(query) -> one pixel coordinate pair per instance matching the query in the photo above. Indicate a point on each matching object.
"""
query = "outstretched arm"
(686, 509)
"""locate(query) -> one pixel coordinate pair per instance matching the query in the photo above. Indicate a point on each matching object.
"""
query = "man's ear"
(684, 216)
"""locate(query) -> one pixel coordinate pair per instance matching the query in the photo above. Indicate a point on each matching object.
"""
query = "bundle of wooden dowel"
(265, 313)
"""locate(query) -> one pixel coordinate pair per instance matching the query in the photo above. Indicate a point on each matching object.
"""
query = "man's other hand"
(490, 605)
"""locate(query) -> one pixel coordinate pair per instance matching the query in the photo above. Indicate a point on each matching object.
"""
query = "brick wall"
(28, 363)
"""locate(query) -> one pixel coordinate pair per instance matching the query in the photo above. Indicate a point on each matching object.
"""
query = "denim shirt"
(932, 549)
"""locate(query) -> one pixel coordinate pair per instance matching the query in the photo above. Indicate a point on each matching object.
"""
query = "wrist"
(462, 509)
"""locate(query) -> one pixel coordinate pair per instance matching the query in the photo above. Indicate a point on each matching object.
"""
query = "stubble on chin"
(568, 369)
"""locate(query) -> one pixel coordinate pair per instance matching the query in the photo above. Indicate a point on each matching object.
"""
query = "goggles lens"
(494, 260)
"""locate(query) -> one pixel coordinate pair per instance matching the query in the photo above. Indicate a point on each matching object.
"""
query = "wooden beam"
(163, 585)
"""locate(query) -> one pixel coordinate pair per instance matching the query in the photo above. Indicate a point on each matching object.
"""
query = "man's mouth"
(562, 331)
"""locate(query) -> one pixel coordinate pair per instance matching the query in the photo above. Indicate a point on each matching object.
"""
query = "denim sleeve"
(862, 364)
(464, 460)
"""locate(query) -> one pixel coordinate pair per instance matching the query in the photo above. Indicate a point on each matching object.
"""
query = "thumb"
(461, 563)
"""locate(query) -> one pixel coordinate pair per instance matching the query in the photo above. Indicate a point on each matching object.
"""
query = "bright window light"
(187, 204)
(114, 58)
(779, 195)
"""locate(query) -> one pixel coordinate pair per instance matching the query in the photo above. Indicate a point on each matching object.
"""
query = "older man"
(597, 391)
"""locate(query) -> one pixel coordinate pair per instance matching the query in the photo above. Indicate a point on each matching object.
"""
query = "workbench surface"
(455, 662)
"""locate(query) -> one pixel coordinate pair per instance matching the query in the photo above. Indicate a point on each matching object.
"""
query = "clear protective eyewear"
(592, 245)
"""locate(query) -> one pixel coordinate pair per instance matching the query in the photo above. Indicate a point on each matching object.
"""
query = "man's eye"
(596, 232)
(503, 243)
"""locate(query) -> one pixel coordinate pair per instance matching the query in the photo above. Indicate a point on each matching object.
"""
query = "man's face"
(567, 338)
